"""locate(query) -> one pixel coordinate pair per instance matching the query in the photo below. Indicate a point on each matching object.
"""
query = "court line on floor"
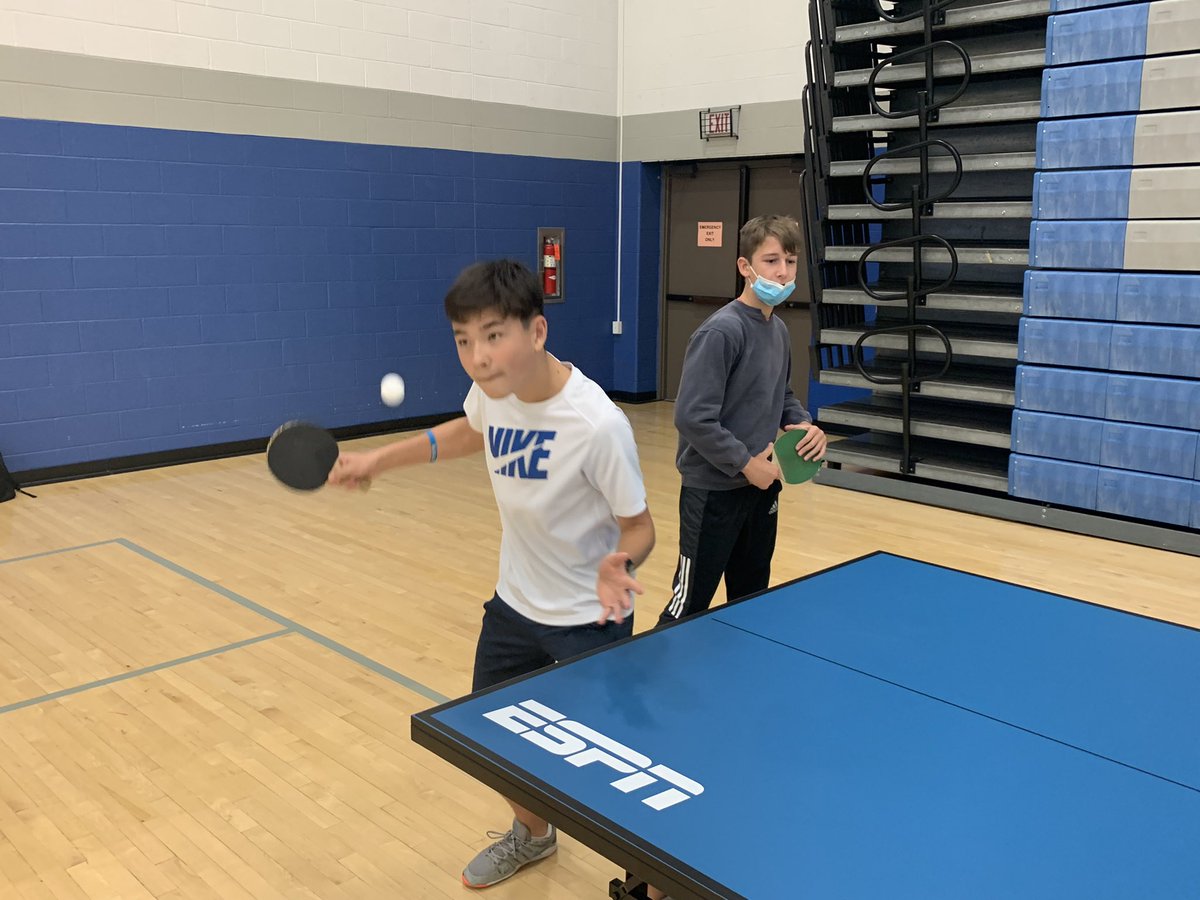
(316, 637)
(16, 559)
(137, 673)
(288, 627)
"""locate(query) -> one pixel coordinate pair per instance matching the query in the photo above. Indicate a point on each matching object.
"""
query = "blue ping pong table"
(882, 729)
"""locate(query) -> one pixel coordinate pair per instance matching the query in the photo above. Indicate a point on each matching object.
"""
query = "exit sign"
(719, 123)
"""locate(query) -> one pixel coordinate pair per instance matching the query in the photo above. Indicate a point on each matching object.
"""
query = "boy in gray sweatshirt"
(734, 397)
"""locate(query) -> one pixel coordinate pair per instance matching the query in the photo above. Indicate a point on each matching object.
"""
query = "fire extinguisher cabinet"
(550, 263)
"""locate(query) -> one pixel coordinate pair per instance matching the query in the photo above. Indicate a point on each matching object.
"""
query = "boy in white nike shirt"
(564, 469)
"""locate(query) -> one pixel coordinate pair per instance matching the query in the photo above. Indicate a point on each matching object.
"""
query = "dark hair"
(755, 233)
(502, 285)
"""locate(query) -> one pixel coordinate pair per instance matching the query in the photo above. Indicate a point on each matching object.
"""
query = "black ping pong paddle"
(301, 455)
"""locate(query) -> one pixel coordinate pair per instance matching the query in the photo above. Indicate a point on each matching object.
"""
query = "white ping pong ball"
(391, 389)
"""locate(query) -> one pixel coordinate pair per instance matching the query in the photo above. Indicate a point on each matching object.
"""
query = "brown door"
(702, 223)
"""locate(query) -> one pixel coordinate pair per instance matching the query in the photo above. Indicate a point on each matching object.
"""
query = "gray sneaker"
(511, 851)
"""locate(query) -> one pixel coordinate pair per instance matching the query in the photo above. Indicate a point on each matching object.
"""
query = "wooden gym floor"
(205, 680)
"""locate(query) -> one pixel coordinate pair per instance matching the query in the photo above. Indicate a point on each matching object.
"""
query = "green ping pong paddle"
(796, 469)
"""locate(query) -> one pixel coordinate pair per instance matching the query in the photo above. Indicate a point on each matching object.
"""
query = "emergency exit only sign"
(708, 234)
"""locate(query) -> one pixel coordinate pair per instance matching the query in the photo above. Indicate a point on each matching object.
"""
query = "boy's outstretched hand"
(352, 469)
(812, 445)
(762, 471)
(613, 584)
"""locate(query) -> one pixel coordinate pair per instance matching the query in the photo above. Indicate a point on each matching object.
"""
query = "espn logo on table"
(582, 746)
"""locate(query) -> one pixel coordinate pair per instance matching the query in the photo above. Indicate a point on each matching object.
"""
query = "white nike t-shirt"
(562, 471)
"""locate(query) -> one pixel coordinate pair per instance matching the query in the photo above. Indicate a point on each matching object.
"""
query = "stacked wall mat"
(1107, 389)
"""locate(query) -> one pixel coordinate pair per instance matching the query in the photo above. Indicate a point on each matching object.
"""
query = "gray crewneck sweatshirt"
(734, 395)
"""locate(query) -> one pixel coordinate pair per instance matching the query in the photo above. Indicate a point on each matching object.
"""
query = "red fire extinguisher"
(550, 258)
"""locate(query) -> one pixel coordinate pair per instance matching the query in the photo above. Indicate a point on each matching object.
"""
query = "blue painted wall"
(165, 289)
(635, 359)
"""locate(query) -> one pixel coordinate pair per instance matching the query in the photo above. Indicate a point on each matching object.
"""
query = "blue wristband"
(433, 450)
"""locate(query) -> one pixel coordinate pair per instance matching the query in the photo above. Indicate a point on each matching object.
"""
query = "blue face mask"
(769, 292)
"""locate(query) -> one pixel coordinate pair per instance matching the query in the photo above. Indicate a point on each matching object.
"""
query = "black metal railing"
(920, 202)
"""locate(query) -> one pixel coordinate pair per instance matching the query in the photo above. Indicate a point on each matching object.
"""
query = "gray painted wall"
(40, 84)
(765, 129)
(43, 84)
